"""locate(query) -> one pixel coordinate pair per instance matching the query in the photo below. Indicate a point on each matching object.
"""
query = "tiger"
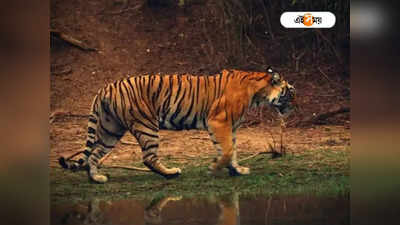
(145, 104)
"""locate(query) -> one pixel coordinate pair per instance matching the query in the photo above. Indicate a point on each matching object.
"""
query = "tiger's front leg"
(221, 135)
(224, 140)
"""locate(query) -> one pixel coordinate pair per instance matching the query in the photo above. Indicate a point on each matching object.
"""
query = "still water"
(222, 210)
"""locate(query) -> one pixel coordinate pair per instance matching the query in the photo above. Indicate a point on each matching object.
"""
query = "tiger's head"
(278, 93)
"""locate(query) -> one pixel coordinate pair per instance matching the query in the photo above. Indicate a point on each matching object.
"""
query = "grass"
(317, 172)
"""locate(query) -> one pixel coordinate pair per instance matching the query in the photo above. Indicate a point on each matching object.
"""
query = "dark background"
(200, 37)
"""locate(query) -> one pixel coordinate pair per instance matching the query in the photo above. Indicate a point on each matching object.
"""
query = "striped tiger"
(145, 104)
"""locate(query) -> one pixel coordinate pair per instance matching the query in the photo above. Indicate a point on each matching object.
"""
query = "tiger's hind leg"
(108, 133)
(234, 168)
(148, 140)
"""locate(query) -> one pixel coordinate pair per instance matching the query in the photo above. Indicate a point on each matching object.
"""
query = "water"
(224, 210)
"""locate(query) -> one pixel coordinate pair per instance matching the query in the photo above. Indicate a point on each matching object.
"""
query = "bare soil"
(68, 135)
(141, 40)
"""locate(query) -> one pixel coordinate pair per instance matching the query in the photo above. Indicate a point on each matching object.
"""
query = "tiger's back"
(172, 102)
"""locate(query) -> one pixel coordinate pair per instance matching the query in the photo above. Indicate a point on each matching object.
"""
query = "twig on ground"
(65, 70)
(125, 10)
(128, 143)
(128, 168)
(104, 158)
(71, 40)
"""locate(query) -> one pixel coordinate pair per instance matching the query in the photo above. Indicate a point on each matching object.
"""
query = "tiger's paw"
(172, 173)
(73, 165)
(238, 170)
(163, 171)
(99, 178)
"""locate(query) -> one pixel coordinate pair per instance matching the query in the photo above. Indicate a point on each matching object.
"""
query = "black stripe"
(179, 88)
(123, 105)
(189, 79)
(183, 119)
(144, 100)
(178, 108)
(219, 84)
(144, 124)
(92, 119)
(147, 134)
(198, 89)
(150, 146)
(89, 144)
(232, 119)
(94, 108)
(152, 155)
(87, 153)
(194, 121)
(226, 82)
(160, 85)
(91, 130)
(138, 108)
(204, 122)
(226, 113)
(215, 87)
(244, 77)
(95, 160)
(114, 104)
(97, 155)
(148, 87)
(258, 78)
(262, 77)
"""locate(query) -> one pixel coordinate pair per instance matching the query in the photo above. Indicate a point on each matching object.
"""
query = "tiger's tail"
(82, 162)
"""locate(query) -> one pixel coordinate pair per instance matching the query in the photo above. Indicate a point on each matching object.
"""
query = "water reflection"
(222, 210)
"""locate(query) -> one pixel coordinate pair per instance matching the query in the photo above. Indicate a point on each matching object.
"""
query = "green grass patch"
(316, 172)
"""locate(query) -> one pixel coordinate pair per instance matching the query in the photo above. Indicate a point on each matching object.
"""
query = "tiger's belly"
(183, 124)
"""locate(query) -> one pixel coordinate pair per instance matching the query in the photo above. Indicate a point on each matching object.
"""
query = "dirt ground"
(134, 39)
(68, 135)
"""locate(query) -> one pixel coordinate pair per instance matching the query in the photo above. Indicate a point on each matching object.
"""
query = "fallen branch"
(65, 70)
(128, 143)
(125, 10)
(128, 168)
(322, 116)
(71, 40)
(103, 159)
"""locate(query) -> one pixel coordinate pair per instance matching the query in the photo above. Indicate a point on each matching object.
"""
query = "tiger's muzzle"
(285, 104)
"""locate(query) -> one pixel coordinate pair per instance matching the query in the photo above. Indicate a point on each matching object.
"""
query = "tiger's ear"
(276, 79)
(269, 69)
